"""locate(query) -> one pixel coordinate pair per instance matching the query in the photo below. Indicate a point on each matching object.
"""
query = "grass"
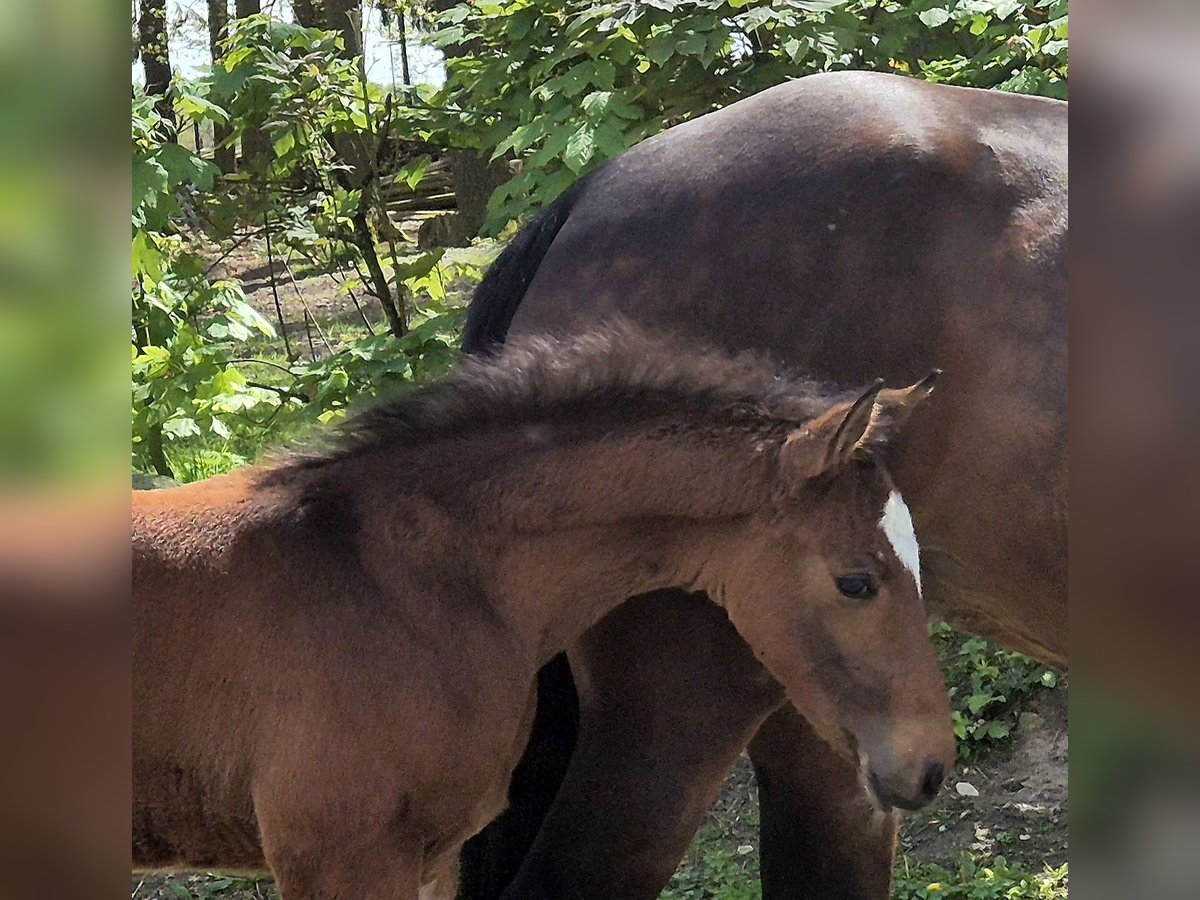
(978, 878)
(719, 867)
(987, 685)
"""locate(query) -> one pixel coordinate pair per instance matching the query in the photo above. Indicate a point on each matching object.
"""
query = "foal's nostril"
(931, 783)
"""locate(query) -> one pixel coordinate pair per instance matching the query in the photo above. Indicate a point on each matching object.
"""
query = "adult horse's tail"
(504, 285)
(490, 860)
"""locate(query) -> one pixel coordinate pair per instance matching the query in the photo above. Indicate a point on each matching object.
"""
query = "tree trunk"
(405, 72)
(156, 456)
(218, 24)
(346, 17)
(396, 316)
(254, 140)
(156, 56)
(475, 177)
(306, 13)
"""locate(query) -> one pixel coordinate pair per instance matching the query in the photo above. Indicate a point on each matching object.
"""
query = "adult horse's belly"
(890, 228)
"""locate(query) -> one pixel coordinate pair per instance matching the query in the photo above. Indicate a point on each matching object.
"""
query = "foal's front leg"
(821, 838)
(321, 848)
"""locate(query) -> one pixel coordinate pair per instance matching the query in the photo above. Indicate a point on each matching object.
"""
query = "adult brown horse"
(334, 657)
(841, 222)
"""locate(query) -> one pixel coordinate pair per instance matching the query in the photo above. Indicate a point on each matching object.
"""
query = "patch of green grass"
(206, 455)
(719, 867)
(978, 879)
(208, 886)
(986, 686)
(716, 868)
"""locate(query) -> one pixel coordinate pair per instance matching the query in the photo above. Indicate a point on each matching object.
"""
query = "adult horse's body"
(334, 656)
(838, 221)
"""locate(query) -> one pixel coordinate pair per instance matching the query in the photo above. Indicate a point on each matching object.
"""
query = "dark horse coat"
(852, 225)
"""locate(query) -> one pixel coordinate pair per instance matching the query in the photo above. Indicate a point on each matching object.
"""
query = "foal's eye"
(857, 587)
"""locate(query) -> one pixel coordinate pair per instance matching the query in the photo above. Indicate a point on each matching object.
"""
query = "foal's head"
(825, 584)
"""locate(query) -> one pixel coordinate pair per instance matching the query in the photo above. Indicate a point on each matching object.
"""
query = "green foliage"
(565, 86)
(185, 328)
(975, 879)
(554, 89)
(986, 686)
(715, 870)
(205, 887)
(211, 386)
(375, 367)
(719, 867)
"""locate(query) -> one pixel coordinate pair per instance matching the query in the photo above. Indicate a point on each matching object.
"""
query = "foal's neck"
(580, 528)
(553, 587)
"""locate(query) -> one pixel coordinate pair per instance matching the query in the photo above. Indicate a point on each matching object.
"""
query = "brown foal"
(335, 655)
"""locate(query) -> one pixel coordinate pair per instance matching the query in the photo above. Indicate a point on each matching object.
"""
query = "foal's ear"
(830, 439)
(894, 406)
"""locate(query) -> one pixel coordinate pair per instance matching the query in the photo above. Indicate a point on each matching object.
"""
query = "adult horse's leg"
(669, 695)
(491, 859)
(821, 839)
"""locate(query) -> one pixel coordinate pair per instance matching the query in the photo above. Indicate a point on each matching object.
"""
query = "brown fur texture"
(334, 656)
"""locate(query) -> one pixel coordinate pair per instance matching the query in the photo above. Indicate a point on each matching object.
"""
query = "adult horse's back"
(843, 222)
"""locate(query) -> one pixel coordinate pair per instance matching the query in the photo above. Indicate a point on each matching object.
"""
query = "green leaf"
(193, 106)
(595, 103)
(693, 43)
(247, 315)
(818, 5)
(180, 427)
(414, 172)
(609, 140)
(580, 148)
(152, 360)
(796, 49)
(421, 265)
(977, 702)
(1005, 8)
(148, 260)
(934, 17)
(285, 143)
(333, 388)
(660, 48)
(183, 167)
(149, 181)
(996, 730)
(756, 18)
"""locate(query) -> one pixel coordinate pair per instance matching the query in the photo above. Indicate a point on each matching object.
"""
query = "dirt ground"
(1020, 811)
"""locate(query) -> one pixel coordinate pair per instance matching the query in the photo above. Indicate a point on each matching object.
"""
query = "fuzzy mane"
(618, 371)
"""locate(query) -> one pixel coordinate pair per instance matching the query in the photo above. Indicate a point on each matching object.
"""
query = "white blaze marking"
(897, 524)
